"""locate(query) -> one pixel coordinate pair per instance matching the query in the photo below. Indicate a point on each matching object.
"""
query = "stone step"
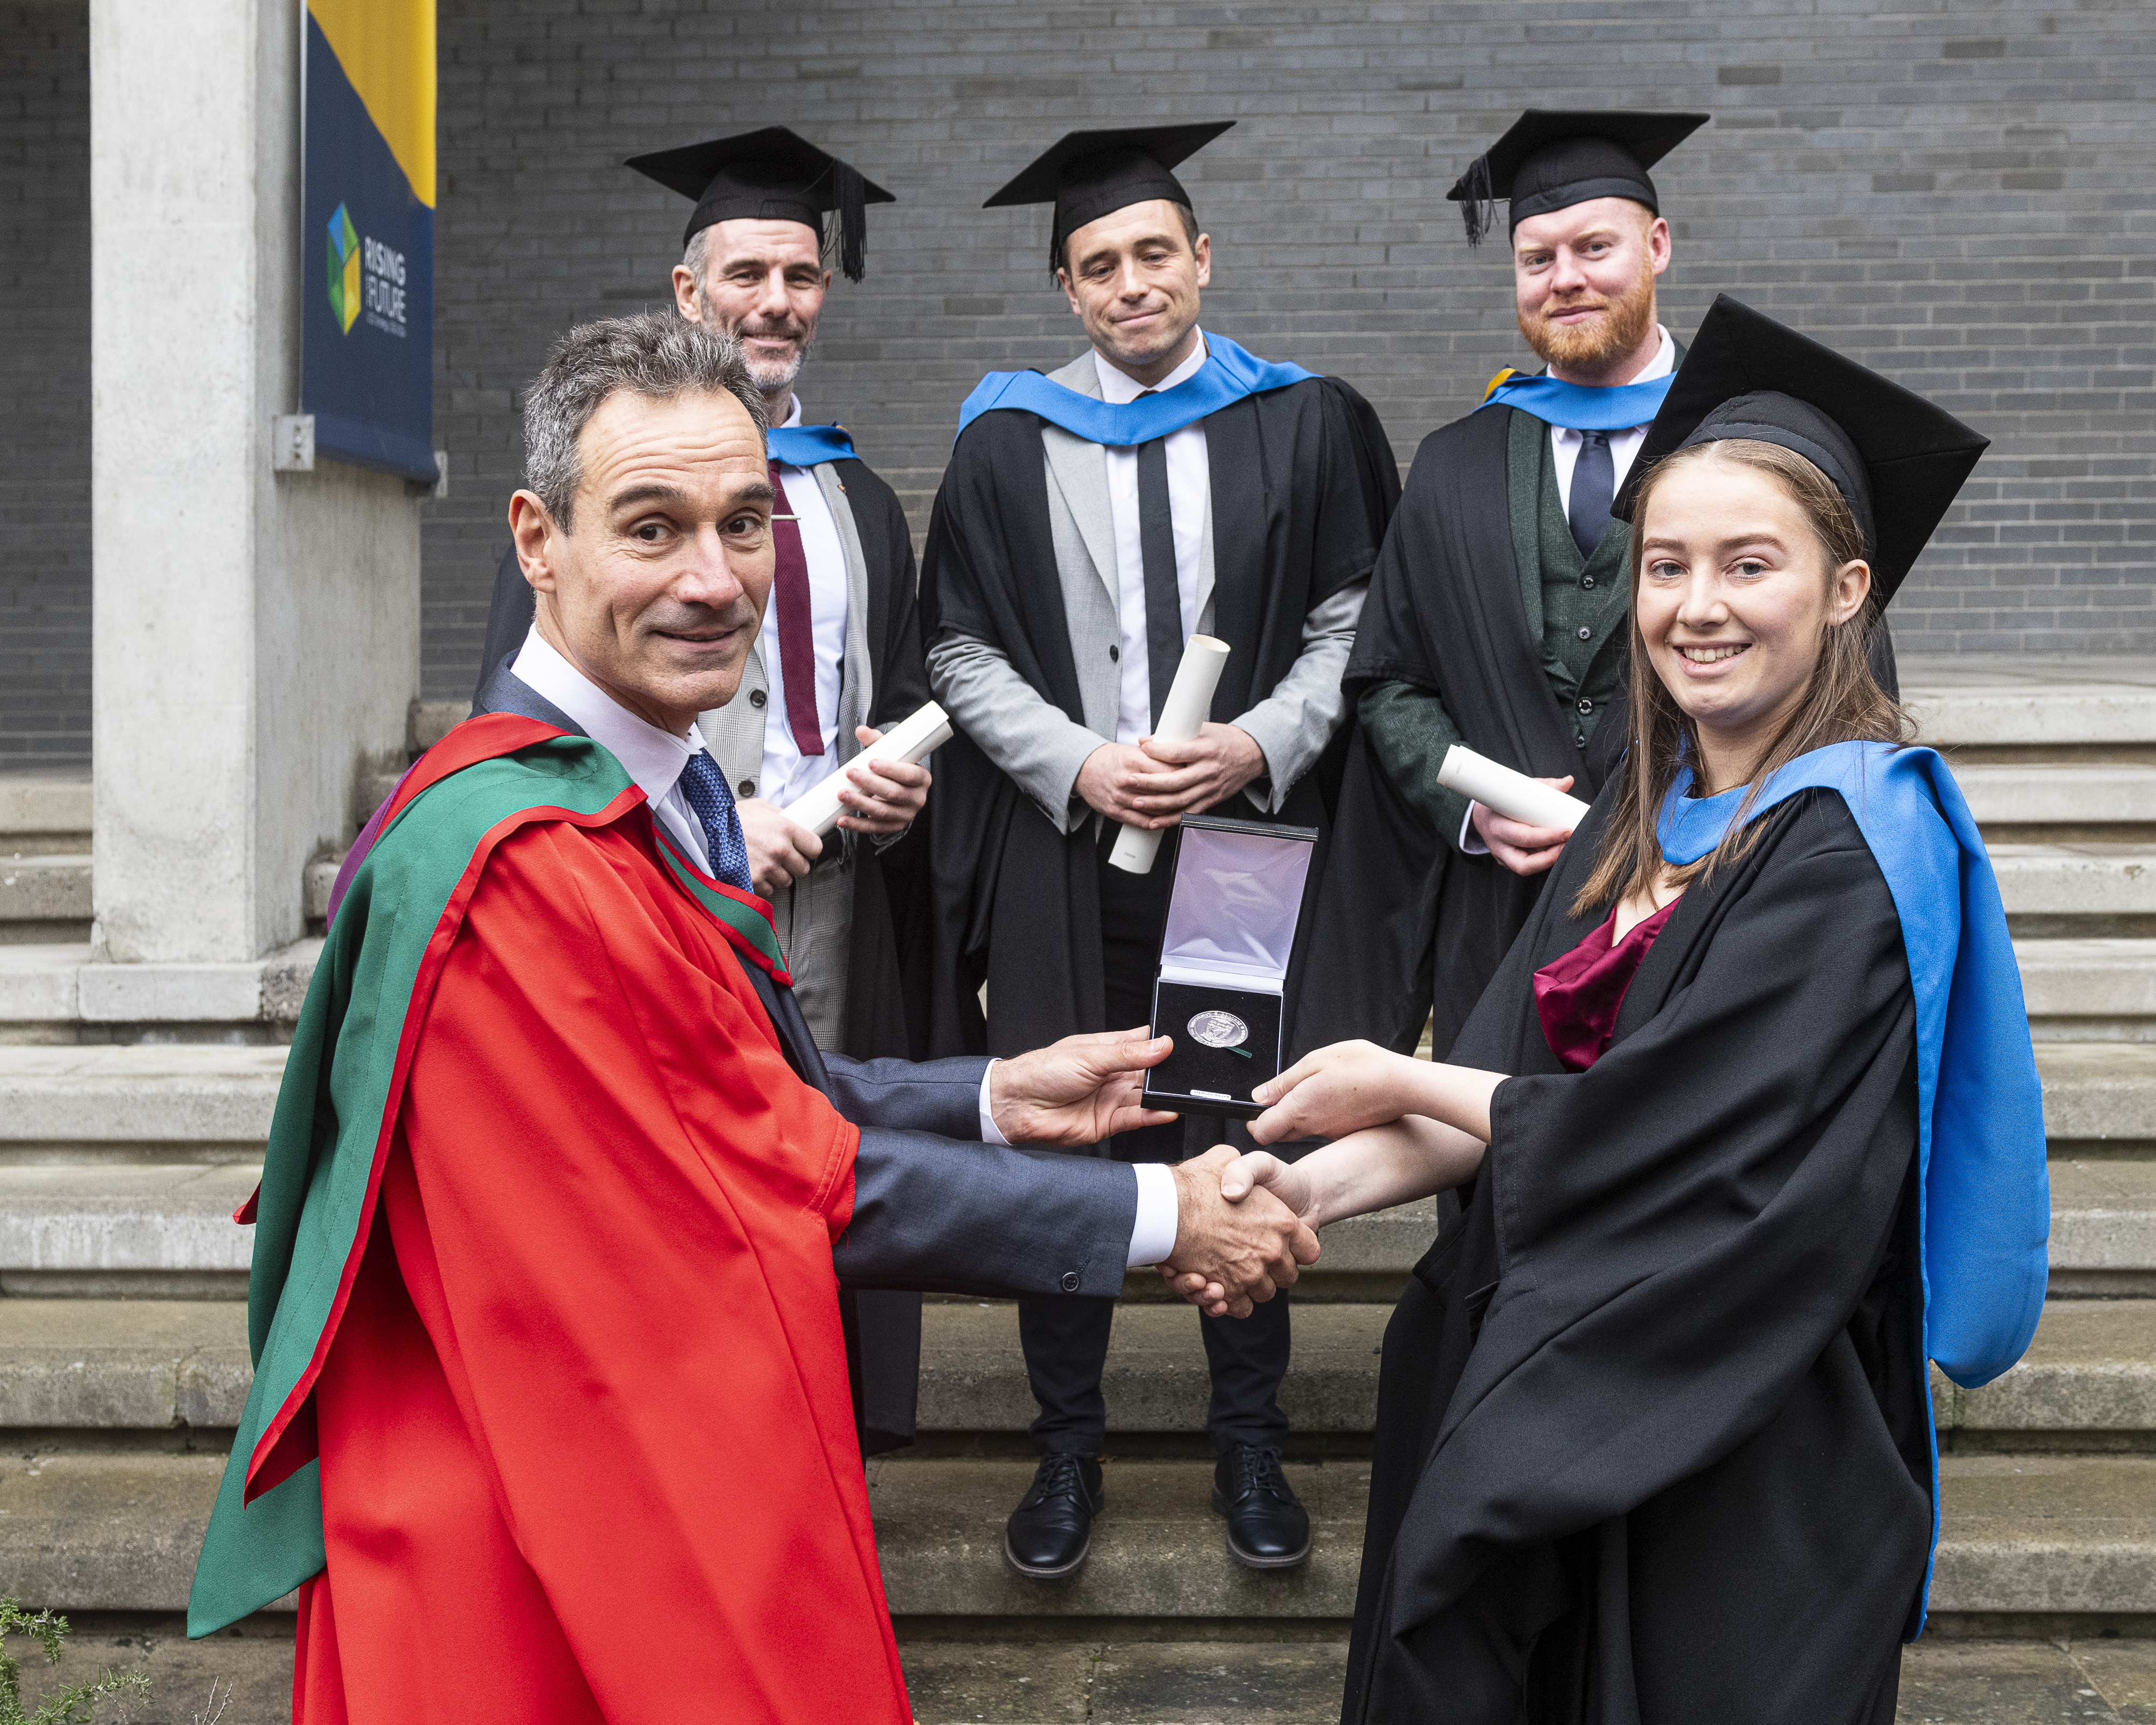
(153, 1365)
(57, 985)
(155, 1101)
(45, 898)
(42, 815)
(2110, 887)
(2089, 795)
(1987, 701)
(1127, 1674)
(86, 1228)
(2098, 1092)
(2031, 1535)
(123, 1229)
(2089, 990)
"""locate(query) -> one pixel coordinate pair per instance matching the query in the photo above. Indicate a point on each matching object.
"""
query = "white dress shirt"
(1189, 496)
(651, 757)
(1623, 445)
(654, 758)
(787, 772)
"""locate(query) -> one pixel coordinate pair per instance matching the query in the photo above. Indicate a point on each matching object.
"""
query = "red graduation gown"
(587, 1451)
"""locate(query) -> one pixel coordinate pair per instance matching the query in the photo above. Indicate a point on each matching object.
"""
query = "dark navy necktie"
(1163, 586)
(1594, 489)
(705, 789)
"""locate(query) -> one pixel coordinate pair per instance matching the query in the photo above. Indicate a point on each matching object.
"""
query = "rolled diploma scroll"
(919, 735)
(1504, 791)
(1189, 699)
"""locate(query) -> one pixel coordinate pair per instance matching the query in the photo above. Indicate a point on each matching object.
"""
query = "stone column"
(255, 634)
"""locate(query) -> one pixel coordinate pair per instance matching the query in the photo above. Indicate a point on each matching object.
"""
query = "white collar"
(1661, 365)
(651, 757)
(1119, 387)
(793, 417)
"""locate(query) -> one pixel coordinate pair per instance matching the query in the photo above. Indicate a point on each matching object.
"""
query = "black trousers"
(1066, 1338)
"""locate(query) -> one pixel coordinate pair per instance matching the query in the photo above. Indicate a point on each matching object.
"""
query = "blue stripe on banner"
(368, 285)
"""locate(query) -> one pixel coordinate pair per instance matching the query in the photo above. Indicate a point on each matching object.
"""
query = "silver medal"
(1218, 1029)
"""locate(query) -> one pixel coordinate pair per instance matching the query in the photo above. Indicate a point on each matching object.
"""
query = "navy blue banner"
(367, 317)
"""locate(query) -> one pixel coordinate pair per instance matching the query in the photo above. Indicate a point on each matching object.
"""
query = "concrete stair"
(133, 1108)
(45, 860)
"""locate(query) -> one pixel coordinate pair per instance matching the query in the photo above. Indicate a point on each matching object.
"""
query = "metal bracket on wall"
(292, 444)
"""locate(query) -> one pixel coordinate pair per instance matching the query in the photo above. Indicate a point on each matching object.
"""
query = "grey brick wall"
(1962, 193)
(45, 384)
(1957, 193)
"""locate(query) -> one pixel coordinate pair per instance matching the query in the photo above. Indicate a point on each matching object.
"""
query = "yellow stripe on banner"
(1491, 388)
(387, 48)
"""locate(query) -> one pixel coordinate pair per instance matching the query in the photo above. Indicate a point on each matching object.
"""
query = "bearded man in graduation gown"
(839, 647)
(1497, 616)
(543, 1303)
(1164, 482)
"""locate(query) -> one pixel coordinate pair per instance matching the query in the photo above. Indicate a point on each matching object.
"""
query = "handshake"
(1236, 1241)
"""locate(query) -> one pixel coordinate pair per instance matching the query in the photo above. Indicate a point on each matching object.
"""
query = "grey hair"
(654, 354)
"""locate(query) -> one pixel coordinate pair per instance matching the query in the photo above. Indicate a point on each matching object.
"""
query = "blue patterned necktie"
(705, 789)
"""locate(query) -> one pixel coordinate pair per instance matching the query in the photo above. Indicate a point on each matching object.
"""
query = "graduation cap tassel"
(1478, 207)
(853, 220)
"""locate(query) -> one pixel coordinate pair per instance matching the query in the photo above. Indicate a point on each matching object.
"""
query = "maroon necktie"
(796, 623)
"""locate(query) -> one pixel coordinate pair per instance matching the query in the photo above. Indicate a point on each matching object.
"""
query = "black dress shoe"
(1051, 1530)
(1268, 1527)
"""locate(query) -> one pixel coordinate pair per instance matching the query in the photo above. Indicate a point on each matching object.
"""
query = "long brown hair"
(1842, 703)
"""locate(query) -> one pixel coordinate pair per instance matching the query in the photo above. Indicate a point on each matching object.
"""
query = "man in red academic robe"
(550, 1419)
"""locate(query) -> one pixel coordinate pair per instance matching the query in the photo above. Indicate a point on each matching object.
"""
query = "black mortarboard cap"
(773, 175)
(1088, 174)
(1554, 157)
(1896, 459)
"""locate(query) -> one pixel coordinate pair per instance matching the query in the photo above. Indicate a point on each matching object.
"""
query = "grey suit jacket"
(931, 1209)
(1040, 746)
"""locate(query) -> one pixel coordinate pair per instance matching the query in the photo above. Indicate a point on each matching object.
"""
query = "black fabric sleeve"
(973, 1219)
(1682, 1229)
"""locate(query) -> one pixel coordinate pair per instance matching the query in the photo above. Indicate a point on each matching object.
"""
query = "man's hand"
(1152, 784)
(780, 848)
(881, 797)
(1238, 1180)
(1238, 1253)
(1519, 847)
(1079, 1090)
(1332, 1091)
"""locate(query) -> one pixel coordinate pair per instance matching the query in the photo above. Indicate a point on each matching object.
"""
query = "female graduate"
(1746, 1126)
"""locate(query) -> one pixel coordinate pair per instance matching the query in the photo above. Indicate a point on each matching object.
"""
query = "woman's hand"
(1336, 1090)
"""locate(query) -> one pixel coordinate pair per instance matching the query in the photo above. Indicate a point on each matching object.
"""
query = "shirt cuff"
(1471, 840)
(1152, 1235)
(989, 1134)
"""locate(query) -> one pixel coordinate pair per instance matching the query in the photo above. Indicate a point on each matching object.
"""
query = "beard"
(1602, 341)
(769, 376)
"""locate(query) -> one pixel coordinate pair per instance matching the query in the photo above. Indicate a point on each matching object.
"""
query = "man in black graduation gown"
(1497, 616)
(839, 646)
(1081, 535)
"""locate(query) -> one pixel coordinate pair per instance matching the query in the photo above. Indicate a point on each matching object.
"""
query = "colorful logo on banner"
(367, 341)
(344, 271)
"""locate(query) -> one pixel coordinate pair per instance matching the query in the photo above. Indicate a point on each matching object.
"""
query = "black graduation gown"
(887, 950)
(1303, 482)
(1652, 1445)
(1424, 927)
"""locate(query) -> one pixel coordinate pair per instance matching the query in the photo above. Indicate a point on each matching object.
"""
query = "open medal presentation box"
(1231, 918)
